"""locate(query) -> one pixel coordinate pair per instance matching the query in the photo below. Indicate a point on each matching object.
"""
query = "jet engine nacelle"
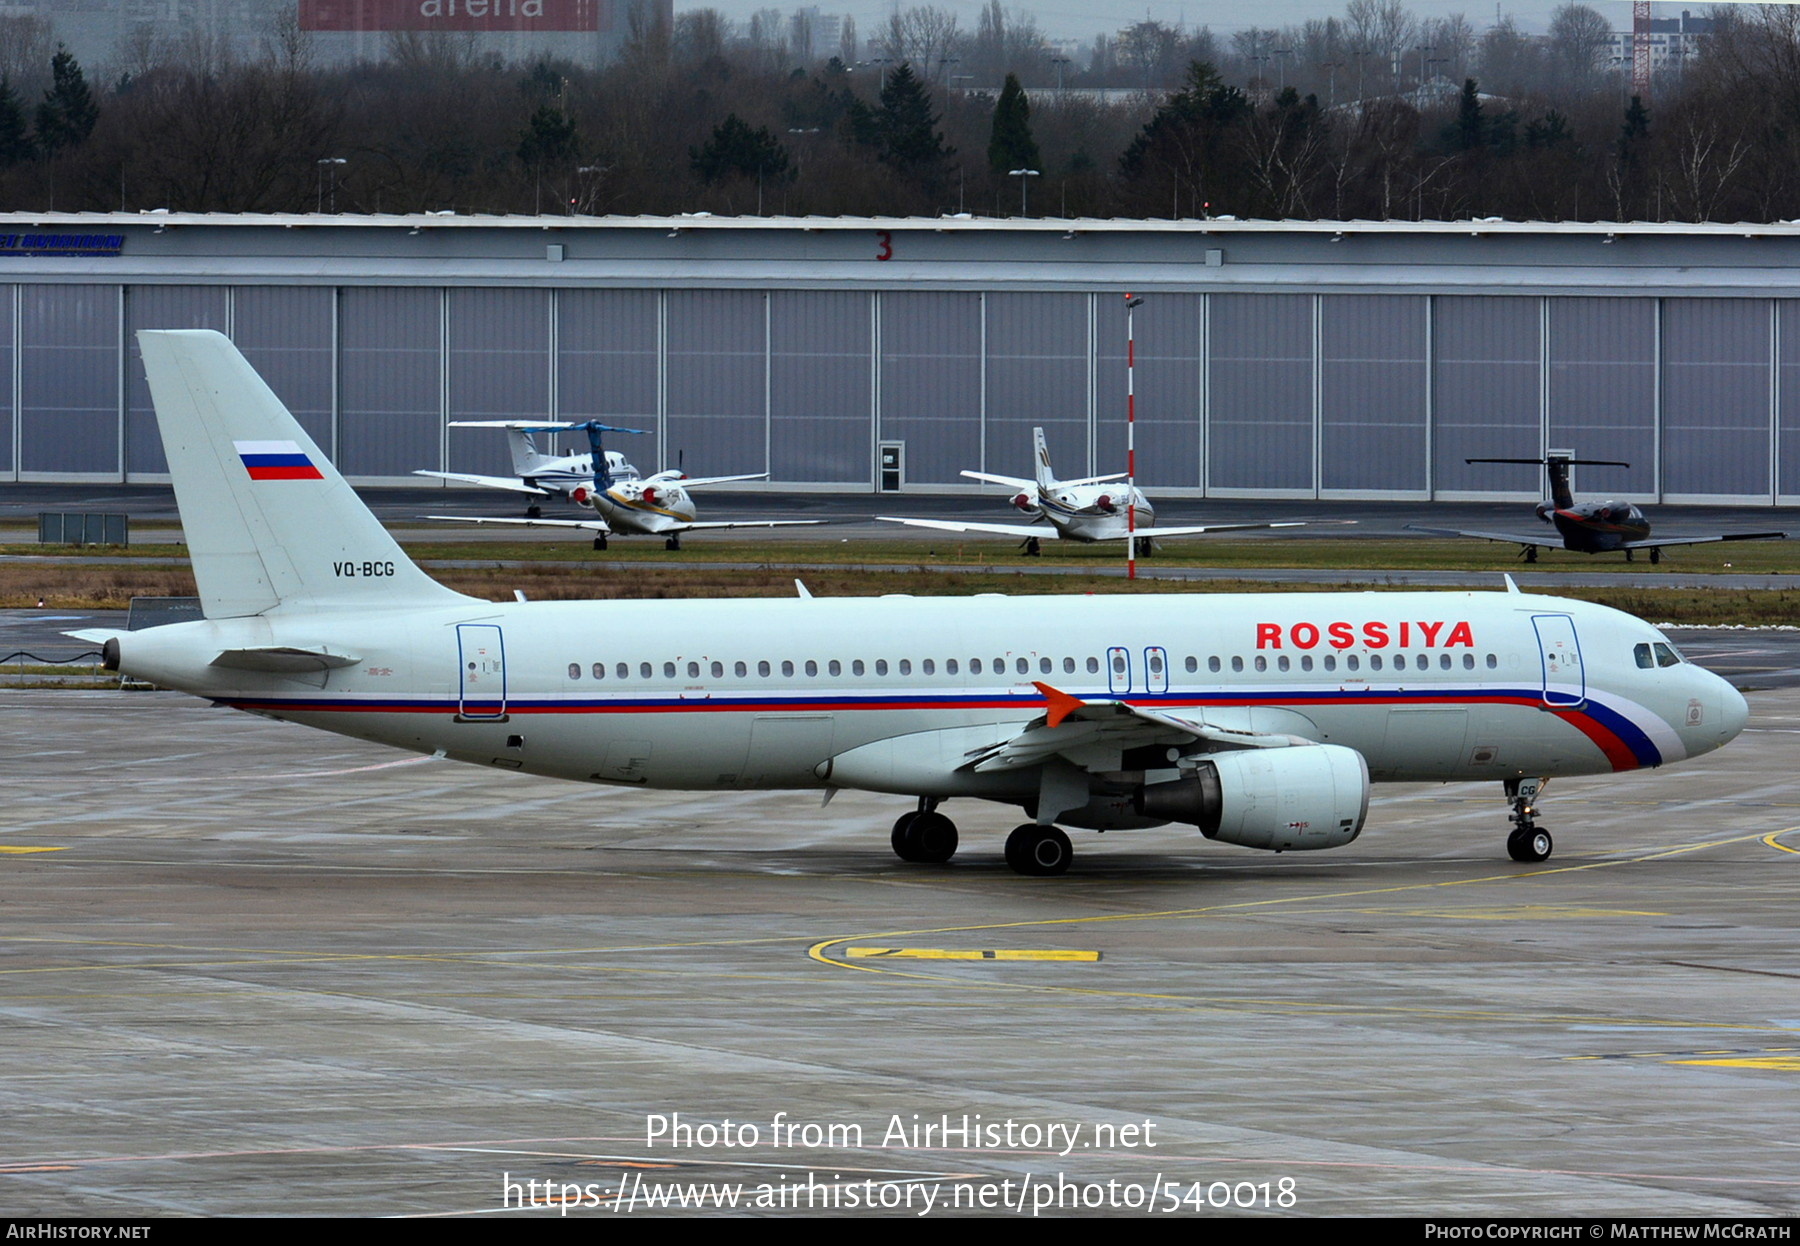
(1105, 505)
(1545, 511)
(1305, 796)
(1025, 502)
(581, 495)
(650, 496)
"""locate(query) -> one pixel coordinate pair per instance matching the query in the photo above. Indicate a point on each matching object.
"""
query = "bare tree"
(1579, 37)
(26, 45)
(922, 36)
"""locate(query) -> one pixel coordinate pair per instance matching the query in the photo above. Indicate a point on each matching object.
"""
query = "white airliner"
(603, 482)
(1094, 508)
(1259, 719)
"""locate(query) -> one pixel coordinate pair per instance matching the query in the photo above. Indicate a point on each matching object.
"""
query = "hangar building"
(1275, 359)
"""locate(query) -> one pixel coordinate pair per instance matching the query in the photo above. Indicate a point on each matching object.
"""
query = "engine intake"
(1306, 796)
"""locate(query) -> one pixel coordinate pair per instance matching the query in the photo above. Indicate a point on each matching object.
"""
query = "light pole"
(331, 162)
(1024, 176)
(1059, 62)
(1131, 303)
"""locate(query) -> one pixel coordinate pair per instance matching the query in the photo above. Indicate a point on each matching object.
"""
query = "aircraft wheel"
(673, 542)
(534, 511)
(1531, 553)
(1530, 844)
(1038, 850)
(599, 542)
(1655, 557)
(903, 846)
(930, 838)
(1033, 548)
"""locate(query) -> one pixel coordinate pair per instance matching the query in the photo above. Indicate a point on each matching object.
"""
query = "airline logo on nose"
(276, 460)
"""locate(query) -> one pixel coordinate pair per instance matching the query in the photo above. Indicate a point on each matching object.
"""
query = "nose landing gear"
(1528, 842)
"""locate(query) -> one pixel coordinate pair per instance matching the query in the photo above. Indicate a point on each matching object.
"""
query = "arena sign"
(495, 15)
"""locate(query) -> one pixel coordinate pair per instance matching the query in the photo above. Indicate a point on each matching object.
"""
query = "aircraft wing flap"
(1072, 728)
(701, 482)
(591, 525)
(510, 483)
(1042, 531)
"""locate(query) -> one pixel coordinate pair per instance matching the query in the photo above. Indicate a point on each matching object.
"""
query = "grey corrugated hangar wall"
(1274, 359)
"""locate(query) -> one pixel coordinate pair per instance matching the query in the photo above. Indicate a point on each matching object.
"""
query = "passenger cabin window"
(1237, 664)
(1068, 666)
(812, 669)
(740, 670)
(762, 668)
(1212, 664)
(599, 670)
(974, 666)
(1023, 665)
(1306, 661)
(718, 670)
(949, 666)
(1350, 662)
(881, 666)
(1374, 661)
(623, 670)
(1331, 661)
(834, 668)
(787, 668)
(1192, 664)
(1282, 662)
(574, 670)
(1093, 666)
(857, 667)
(644, 670)
(668, 670)
(693, 670)
(906, 666)
(928, 667)
(1493, 662)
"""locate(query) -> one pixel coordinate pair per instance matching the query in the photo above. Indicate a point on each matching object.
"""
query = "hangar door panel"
(1716, 382)
(6, 376)
(69, 379)
(285, 333)
(1603, 390)
(159, 307)
(1372, 387)
(1037, 377)
(391, 420)
(1168, 389)
(1486, 391)
(820, 399)
(717, 383)
(1260, 404)
(931, 382)
(499, 370)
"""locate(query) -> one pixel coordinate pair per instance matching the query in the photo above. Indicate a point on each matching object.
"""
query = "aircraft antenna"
(1131, 302)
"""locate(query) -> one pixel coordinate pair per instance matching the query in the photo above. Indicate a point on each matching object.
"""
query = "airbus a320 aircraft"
(625, 502)
(1095, 508)
(1259, 719)
(1590, 527)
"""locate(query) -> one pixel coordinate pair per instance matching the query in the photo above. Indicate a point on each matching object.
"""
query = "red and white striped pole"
(1131, 302)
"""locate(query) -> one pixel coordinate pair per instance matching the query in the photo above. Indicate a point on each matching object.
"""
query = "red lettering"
(1403, 634)
(1304, 635)
(1375, 635)
(1460, 635)
(1341, 635)
(1268, 635)
(1431, 631)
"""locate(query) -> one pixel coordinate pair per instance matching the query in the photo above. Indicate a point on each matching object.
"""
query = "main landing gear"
(1038, 850)
(600, 541)
(925, 836)
(534, 511)
(673, 542)
(1528, 842)
(1033, 547)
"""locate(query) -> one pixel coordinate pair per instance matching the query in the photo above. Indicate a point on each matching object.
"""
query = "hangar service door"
(483, 686)
(1565, 682)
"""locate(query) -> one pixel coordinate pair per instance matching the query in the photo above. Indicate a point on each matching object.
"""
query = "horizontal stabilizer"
(1201, 529)
(1013, 482)
(1041, 531)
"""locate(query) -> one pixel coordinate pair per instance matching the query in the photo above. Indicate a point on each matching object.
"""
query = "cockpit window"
(1645, 660)
(1666, 655)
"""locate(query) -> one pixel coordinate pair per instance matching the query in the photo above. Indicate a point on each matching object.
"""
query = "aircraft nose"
(1734, 712)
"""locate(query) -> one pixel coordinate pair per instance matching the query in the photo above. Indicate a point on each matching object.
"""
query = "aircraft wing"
(1512, 538)
(1042, 531)
(1085, 732)
(592, 525)
(745, 523)
(510, 483)
(700, 482)
(1197, 529)
(1705, 540)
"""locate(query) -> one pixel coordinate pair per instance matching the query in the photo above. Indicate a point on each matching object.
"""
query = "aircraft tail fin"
(1046, 479)
(1561, 495)
(527, 459)
(270, 523)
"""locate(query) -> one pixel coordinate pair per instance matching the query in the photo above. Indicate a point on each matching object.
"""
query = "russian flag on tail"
(276, 460)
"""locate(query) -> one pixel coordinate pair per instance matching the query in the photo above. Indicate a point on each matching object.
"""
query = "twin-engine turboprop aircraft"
(603, 482)
(1094, 508)
(1590, 527)
(1259, 719)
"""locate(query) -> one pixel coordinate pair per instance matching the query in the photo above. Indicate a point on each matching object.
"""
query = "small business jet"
(1590, 527)
(1094, 508)
(1258, 719)
(603, 482)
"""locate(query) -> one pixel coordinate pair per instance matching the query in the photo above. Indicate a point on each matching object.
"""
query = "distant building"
(1673, 40)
